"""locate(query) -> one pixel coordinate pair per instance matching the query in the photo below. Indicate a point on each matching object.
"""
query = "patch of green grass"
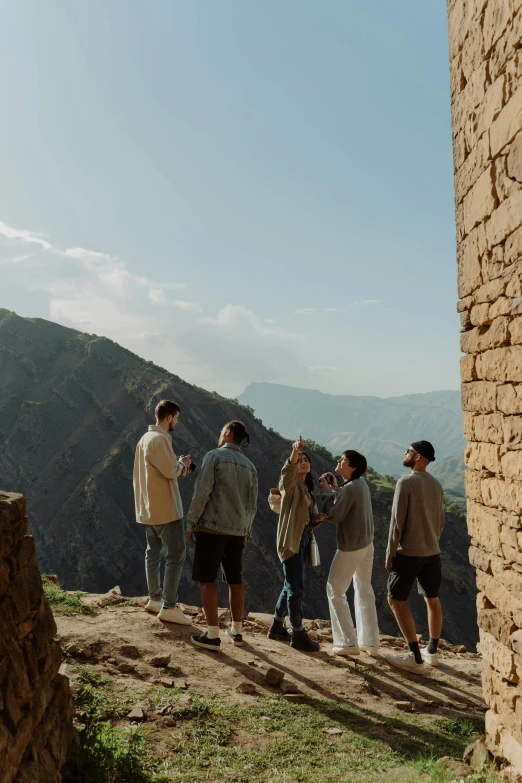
(460, 727)
(63, 602)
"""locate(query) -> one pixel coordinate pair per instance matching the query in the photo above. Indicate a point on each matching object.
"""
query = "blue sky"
(239, 191)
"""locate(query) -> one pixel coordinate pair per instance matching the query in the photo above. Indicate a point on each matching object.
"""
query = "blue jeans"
(290, 602)
(167, 540)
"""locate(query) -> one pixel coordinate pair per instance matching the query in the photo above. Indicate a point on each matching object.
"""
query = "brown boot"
(301, 641)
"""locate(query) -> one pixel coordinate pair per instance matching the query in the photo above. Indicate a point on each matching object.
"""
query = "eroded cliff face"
(485, 38)
(35, 700)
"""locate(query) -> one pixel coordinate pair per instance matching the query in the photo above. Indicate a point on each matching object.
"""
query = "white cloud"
(323, 368)
(191, 307)
(305, 310)
(22, 234)
(157, 296)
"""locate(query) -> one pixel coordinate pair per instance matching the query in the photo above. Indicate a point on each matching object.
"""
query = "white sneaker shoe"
(353, 650)
(431, 658)
(153, 606)
(174, 615)
(373, 652)
(406, 662)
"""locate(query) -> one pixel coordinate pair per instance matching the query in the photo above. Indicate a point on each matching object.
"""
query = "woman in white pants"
(350, 508)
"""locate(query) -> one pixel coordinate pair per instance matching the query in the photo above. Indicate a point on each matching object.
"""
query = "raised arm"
(398, 518)
(289, 472)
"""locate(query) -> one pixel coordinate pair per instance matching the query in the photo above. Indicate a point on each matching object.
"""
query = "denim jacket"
(225, 494)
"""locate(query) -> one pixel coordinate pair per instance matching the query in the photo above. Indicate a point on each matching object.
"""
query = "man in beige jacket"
(159, 508)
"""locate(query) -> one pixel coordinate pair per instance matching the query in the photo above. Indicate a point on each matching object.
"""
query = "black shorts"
(406, 569)
(215, 549)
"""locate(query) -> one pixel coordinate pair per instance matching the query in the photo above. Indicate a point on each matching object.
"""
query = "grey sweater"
(351, 510)
(417, 516)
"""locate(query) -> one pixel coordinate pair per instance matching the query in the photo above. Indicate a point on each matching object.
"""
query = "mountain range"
(72, 408)
(379, 427)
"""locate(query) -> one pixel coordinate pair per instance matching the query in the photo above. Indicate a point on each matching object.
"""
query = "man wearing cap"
(413, 553)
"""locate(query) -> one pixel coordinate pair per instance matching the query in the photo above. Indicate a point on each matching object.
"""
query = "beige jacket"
(156, 474)
(296, 511)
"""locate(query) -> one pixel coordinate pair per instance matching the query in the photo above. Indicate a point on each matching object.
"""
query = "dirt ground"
(121, 641)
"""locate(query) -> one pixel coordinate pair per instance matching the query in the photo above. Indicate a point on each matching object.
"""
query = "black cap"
(425, 449)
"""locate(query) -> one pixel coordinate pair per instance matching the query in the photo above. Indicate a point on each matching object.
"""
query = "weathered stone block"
(514, 158)
(496, 18)
(509, 399)
(480, 202)
(512, 431)
(480, 559)
(485, 337)
(507, 217)
(488, 428)
(470, 252)
(484, 527)
(468, 423)
(512, 465)
(480, 314)
(513, 247)
(499, 656)
(481, 397)
(498, 624)
(472, 481)
(507, 125)
(502, 306)
(482, 456)
(467, 368)
(497, 493)
(500, 364)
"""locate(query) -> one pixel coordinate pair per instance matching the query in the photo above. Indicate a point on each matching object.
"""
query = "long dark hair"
(309, 479)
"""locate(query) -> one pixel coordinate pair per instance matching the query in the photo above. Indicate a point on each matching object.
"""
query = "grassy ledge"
(61, 601)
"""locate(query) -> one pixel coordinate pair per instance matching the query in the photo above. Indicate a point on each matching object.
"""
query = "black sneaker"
(301, 641)
(207, 644)
(237, 638)
(278, 632)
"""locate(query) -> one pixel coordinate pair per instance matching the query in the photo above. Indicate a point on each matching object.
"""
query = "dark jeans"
(290, 602)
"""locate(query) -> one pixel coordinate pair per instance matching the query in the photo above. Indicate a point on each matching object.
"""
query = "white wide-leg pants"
(358, 566)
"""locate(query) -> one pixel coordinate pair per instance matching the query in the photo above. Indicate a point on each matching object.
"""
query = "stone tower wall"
(485, 45)
(35, 701)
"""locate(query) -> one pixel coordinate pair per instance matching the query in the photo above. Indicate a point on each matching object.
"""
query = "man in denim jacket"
(219, 523)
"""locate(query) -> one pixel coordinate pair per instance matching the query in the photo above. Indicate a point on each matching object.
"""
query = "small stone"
(160, 660)
(405, 706)
(73, 650)
(136, 714)
(167, 682)
(184, 699)
(477, 754)
(333, 731)
(246, 687)
(461, 648)
(125, 667)
(163, 710)
(274, 676)
(86, 652)
(112, 661)
(169, 721)
(252, 663)
(75, 687)
(129, 651)
(180, 683)
(289, 687)
(265, 717)
(296, 698)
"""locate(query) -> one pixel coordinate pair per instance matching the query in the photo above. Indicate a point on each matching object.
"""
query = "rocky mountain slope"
(73, 406)
(379, 427)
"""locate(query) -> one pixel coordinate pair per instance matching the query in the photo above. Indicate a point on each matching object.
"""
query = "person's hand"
(296, 448)
(389, 564)
(185, 460)
(190, 537)
(319, 518)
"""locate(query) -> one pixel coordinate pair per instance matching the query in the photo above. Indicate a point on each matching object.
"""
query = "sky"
(239, 191)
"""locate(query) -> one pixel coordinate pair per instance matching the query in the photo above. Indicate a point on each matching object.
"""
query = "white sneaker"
(406, 662)
(373, 652)
(431, 658)
(153, 606)
(174, 615)
(353, 650)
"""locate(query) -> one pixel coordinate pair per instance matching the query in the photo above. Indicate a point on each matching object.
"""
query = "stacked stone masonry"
(35, 701)
(485, 46)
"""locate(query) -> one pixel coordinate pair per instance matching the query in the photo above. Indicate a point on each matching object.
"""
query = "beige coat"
(156, 473)
(296, 510)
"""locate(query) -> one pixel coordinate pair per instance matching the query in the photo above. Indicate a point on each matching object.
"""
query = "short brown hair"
(166, 408)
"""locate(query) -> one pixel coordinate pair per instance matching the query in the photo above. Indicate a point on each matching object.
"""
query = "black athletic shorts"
(406, 569)
(215, 549)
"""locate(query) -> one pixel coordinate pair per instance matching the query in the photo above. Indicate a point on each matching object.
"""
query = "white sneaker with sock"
(354, 649)
(431, 658)
(373, 652)
(406, 662)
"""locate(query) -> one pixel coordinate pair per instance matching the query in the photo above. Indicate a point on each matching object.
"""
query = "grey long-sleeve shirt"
(351, 510)
(417, 518)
